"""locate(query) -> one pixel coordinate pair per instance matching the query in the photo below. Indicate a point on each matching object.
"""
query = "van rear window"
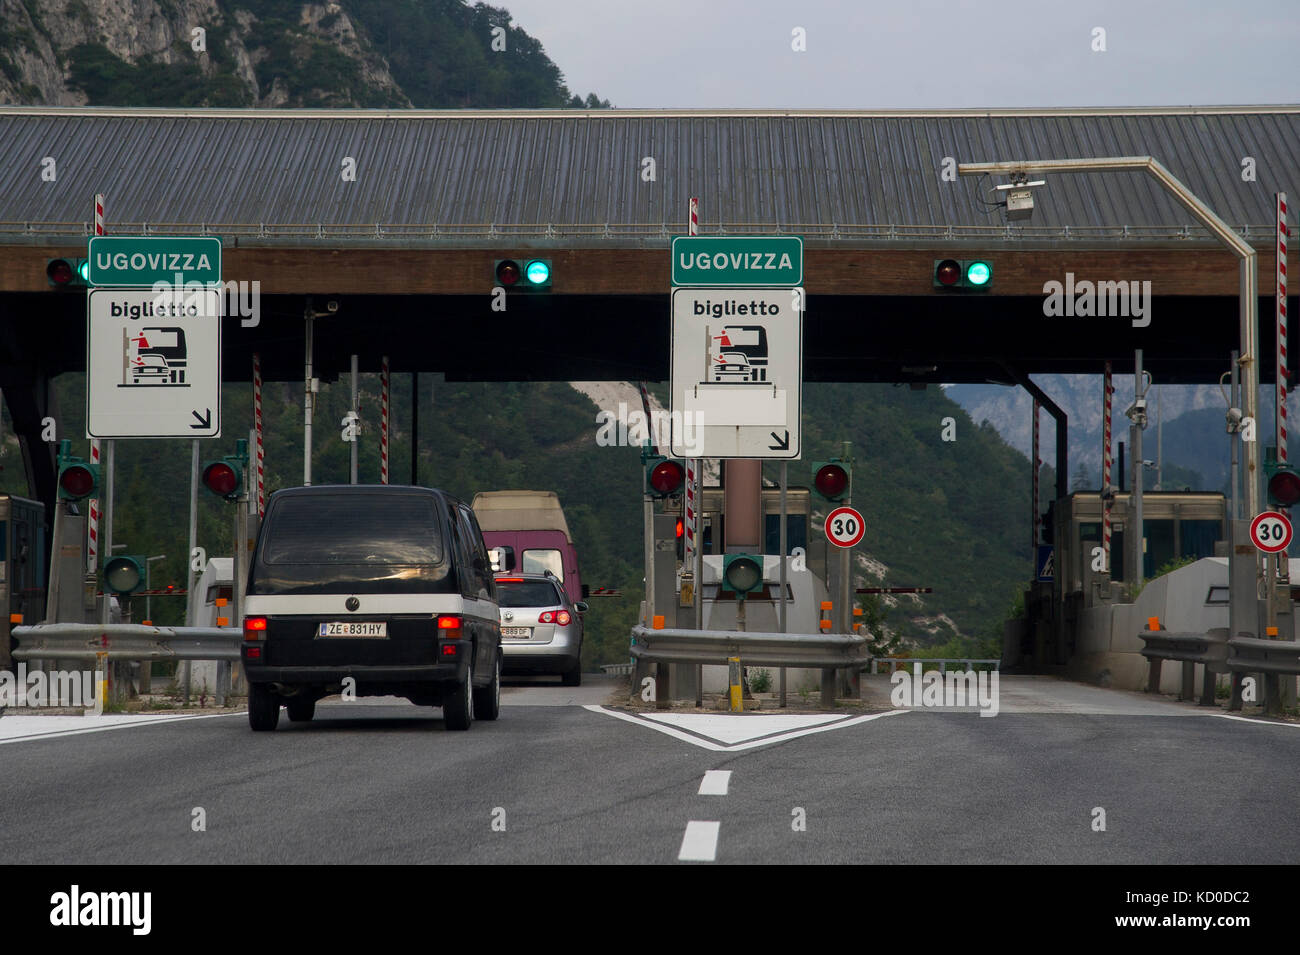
(355, 529)
(352, 542)
(540, 560)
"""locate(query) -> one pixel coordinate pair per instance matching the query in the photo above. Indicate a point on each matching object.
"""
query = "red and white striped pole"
(693, 465)
(257, 425)
(1033, 542)
(1106, 389)
(1283, 373)
(383, 421)
(92, 526)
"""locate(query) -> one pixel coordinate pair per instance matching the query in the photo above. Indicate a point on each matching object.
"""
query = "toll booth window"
(1090, 530)
(796, 532)
(540, 561)
(1198, 537)
(1160, 545)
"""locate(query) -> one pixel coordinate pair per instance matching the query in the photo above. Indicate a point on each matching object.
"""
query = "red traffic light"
(666, 477)
(1284, 488)
(508, 272)
(948, 272)
(77, 481)
(59, 271)
(831, 481)
(220, 478)
(681, 527)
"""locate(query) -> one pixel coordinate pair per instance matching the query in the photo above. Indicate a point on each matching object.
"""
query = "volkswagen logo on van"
(352, 603)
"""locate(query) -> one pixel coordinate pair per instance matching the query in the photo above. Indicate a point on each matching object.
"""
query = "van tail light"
(254, 628)
(450, 627)
(563, 618)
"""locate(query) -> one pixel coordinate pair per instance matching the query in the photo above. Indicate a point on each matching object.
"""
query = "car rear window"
(528, 593)
(539, 561)
(332, 543)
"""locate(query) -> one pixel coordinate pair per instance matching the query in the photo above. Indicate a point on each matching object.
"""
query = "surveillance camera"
(332, 305)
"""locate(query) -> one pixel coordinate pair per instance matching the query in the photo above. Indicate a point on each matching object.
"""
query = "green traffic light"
(978, 273)
(124, 575)
(83, 269)
(537, 272)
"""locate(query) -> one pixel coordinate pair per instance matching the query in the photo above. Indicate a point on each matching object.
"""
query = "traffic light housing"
(225, 476)
(67, 272)
(664, 477)
(831, 479)
(78, 478)
(523, 274)
(1283, 485)
(124, 575)
(742, 574)
(969, 274)
(681, 539)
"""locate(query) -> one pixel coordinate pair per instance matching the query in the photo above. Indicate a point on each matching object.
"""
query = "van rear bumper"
(452, 672)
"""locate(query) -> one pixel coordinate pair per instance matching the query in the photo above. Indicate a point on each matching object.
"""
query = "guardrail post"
(828, 686)
(1189, 682)
(1154, 664)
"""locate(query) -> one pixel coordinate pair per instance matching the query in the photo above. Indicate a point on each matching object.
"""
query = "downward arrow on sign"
(782, 444)
(204, 420)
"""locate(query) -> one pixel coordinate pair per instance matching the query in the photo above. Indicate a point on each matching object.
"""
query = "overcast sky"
(920, 53)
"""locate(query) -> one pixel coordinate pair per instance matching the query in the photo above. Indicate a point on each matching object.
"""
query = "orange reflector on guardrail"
(15, 618)
(658, 622)
(1153, 623)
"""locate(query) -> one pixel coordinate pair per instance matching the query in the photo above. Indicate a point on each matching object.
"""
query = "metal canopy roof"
(836, 175)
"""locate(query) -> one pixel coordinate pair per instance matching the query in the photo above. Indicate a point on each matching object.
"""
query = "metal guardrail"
(1209, 648)
(125, 641)
(815, 650)
(1253, 655)
(617, 669)
(970, 662)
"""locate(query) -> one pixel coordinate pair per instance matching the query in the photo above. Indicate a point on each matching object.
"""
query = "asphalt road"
(383, 782)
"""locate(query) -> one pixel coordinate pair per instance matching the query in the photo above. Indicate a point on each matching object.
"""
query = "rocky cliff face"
(73, 52)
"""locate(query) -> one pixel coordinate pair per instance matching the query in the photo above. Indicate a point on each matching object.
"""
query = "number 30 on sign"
(1271, 532)
(844, 527)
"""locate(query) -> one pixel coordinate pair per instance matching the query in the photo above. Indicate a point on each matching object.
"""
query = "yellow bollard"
(734, 678)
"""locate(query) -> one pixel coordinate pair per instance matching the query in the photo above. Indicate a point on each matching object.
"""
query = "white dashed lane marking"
(700, 843)
(715, 782)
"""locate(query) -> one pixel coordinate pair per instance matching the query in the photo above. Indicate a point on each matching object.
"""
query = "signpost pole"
(785, 549)
(109, 447)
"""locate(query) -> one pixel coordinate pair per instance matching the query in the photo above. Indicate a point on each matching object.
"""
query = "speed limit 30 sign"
(844, 527)
(1271, 532)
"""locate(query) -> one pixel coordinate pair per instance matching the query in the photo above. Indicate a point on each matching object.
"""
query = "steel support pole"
(415, 428)
(308, 398)
(106, 536)
(356, 415)
(191, 577)
(785, 550)
(1137, 533)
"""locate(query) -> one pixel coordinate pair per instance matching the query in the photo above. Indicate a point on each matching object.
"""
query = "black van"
(372, 589)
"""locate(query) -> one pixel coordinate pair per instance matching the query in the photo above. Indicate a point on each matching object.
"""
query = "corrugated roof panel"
(547, 167)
